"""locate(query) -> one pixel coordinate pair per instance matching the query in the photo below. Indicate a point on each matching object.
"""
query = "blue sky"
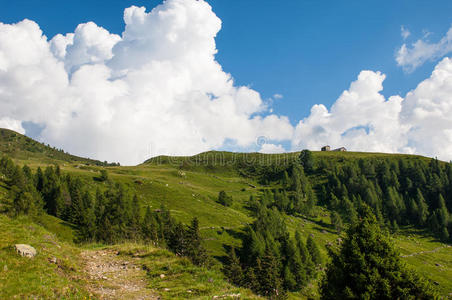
(308, 51)
(165, 89)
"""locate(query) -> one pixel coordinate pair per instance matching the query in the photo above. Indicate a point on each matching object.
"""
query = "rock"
(438, 265)
(162, 276)
(53, 260)
(5, 268)
(324, 231)
(166, 289)
(25, 250)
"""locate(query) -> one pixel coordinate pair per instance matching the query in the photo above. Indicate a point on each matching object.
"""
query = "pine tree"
(307, 161)
(313, 250)
(251, 281)
(336, 221)
(290, 282)
(422, 208)
(195, 249)
(367, 266)
(224, 199)
(286, 179)
(305, 256)
(149, 227)
(233, 269)
(269, 277)
(135, 219)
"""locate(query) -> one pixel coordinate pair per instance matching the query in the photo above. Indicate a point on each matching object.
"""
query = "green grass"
(30, 278)
(181, 279)
(160, 181)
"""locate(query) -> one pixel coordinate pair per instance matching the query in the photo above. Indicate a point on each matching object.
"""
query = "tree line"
(400, 191)
(271, 262)
(110, 215)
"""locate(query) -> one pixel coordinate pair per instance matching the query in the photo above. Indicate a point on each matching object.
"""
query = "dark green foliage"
(336, 221)
(104, 175)
(224, 199)
(269, 274)
(195, 250)
(275, 261)
(313, 250)
(110, 216)
(233, 269)
(307, 161)
(367, 266)
(25, 198)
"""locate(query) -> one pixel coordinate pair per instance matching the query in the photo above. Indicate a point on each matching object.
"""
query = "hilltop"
(19, 146)
(189, 187)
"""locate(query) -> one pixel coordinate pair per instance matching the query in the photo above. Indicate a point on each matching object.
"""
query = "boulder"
(25, 250)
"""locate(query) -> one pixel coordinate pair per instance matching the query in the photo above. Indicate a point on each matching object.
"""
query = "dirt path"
(112, 276)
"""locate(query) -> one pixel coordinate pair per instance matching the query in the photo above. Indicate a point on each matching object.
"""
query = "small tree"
(313, 250)
(224, 199)
(336, 221)
(233, 269)
(367, 266)
(195, 250)
(103, 175)
(307, 161)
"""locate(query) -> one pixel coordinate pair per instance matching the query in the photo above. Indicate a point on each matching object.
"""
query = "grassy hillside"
(189, 187)
(21, 147)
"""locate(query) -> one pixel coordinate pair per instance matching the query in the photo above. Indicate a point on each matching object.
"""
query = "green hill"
(189, 187)
(21, 147)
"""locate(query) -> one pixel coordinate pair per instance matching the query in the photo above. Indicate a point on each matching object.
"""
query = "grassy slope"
(37, 277)
(158, 181)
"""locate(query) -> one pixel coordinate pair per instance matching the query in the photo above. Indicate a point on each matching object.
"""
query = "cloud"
(422, 50)
(278, 96)
(272, 148)
(12, 124)
(428, 111)
(156, 89)
(362, 119)
(404, 32)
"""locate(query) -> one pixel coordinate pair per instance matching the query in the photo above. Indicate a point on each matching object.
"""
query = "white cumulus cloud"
(362, 119)
(156, 89)
(272, 148)
(411, 57)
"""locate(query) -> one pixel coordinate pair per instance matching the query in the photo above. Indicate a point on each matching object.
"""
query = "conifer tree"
(195, 249)
(305, 256)
(422, 208)
(367, 266)
(224, 199)
(270, 278)
(233, 269)
(307, 160)
(313, 250)
(135, 218)
(149, 227)
(336, 221)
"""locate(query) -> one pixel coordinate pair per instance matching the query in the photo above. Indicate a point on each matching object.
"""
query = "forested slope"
(239, 210)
